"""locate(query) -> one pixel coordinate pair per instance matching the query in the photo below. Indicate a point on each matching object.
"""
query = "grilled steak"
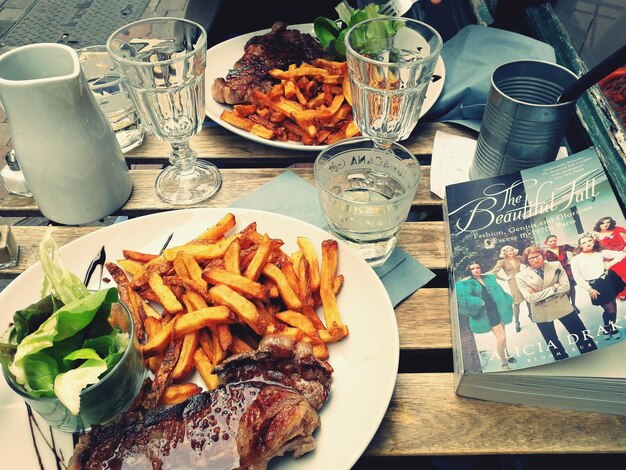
(265, 407)
(277, 359)
(236, 425)
(276, 49)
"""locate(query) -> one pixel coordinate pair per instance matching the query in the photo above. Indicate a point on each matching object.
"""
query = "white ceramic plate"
(221, 58)
(365, 363)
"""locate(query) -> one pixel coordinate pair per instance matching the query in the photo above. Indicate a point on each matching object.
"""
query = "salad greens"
(332, 35)
(62, 343)
(66, 286)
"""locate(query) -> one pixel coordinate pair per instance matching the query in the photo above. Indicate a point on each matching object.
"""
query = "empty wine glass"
(163, 61)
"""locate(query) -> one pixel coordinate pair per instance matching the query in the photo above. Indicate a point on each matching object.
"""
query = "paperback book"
(537, 264)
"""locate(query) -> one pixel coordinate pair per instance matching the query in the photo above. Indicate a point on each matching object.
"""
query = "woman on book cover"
(511, 264)
(611, 235)
(488, 307)
(589, 267)
(619, 268)
(545, 285)
(556, 252)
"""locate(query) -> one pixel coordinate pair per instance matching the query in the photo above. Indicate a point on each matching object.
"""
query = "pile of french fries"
(220, 294)
(311, 104)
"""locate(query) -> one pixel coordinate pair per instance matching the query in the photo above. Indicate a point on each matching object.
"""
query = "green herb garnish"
(331, 34)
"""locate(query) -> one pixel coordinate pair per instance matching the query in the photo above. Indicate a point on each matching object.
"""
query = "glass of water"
(366, 185)
(366, 193)
(163, 61)
(108, 88)
(390, 65)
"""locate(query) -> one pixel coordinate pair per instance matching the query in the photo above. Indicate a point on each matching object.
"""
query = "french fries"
(205, 368)
(185, 360)
(253, 271)
(197, 319)
(164, 294)
(237, 282)
(329, 301)
(311, 104)
(174, 394)
(125, 294)
(284, 289)
(201, 251)
(163, 374)
(220, 294)
(224, 295)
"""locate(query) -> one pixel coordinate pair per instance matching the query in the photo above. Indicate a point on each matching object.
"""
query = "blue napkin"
(470, 58)
(290, 195)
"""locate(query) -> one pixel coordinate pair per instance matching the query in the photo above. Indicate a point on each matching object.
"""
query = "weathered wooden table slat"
(235, 184)
(426, 417)
(227, 149)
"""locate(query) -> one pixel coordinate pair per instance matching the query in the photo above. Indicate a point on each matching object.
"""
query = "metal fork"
(100, 258)
(396, 7)
(97, 261)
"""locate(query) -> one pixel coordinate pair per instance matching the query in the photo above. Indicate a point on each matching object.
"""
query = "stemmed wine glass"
(162, 61)
(366, 185)
(390, 65)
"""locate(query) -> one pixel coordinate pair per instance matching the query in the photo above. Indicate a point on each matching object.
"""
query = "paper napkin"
(470, 58)
(290, 195)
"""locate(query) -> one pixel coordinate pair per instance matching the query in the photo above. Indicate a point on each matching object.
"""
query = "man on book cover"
(545, 285)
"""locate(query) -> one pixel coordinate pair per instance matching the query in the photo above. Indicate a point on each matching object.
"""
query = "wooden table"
(425, 418)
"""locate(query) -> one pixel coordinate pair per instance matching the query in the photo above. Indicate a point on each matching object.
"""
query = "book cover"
(521, 280)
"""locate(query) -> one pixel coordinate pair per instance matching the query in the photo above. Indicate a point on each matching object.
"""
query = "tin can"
(523, 125)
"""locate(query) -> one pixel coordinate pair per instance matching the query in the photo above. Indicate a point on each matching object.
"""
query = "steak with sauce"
(278, 360)
(276, 49)
(236, 425)
(265, 407)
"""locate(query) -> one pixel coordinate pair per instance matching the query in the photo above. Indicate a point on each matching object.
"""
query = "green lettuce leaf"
(25, 321)
(345, 12)
(63, 343)
(362, 15)
(62, 324)
(68, 385)
(109, 347)
(41, 370)
(325, 30)
(102, 345)
(120, 343)
(332, 35)
(64, 284)
(67, 346)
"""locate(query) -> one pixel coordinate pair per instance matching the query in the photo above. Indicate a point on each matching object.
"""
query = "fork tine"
(98, 260)
(387, 9)
(167, 242)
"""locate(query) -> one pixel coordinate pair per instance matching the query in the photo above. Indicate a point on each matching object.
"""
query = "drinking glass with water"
(108, 88)
(366, 185)
(366, 194)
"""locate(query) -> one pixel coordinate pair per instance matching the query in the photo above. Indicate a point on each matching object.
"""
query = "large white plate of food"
(362, 363)
(296, 45)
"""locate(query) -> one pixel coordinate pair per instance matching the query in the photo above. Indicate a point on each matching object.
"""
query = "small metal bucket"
(522, 126)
